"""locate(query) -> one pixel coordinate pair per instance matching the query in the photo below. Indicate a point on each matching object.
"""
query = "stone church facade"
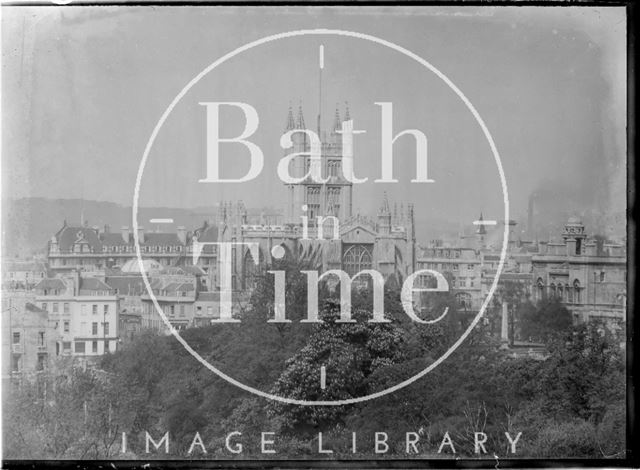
(319, 225)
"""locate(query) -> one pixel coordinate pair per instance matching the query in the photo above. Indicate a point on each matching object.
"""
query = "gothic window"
(333, 198)
(464, 300)
(577, 293)
(540, 286)
(313, 203)
(569, 292)
(334, 167)
(251, 270)
(560, 292)
(356, 258)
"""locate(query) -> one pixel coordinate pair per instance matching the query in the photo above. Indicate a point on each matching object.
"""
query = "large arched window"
(540, 286)
(577, 291)
(356, 258)
(560, 292)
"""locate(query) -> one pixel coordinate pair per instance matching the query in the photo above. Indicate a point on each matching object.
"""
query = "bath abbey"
(318, 224)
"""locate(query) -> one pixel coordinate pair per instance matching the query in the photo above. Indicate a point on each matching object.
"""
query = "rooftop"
(51, 283)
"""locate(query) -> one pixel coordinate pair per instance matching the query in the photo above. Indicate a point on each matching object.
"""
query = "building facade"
(84, 311)
(587, 274)
(22, 274)
(28, 340)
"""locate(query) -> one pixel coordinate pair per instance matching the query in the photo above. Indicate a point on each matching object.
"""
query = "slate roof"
(94, 284)
(179, 287)
(33, 308)
(20, 265)
(153, 238)
(127, 285)
(195, 270)
(206, 296)
(51, 283)
(182, 270)
(150, 239)
(113, 239)
(67, 236)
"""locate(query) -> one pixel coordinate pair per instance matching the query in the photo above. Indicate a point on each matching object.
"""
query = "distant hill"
(28, 223)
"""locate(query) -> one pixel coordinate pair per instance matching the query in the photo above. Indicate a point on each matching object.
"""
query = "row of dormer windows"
(85, 248)
(143, 248)
(436, 253)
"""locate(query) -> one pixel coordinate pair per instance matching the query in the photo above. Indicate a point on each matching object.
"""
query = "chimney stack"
(140, 234)
(125, 234)
(182, 235)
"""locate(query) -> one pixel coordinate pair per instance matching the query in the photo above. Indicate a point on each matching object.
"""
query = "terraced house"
(84, 311)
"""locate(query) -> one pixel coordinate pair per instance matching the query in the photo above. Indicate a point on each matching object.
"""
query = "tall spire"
(385, 205)
(300, 120)
(290, 122)
(337, 123)
(384, 217)
(481, 230)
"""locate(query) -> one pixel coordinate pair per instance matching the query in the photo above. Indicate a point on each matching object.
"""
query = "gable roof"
(357, 226)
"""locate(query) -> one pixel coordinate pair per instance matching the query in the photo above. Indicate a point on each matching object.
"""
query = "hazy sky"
(83, 88)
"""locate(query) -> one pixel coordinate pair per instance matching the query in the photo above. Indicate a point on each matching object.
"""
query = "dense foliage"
(570, 405)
